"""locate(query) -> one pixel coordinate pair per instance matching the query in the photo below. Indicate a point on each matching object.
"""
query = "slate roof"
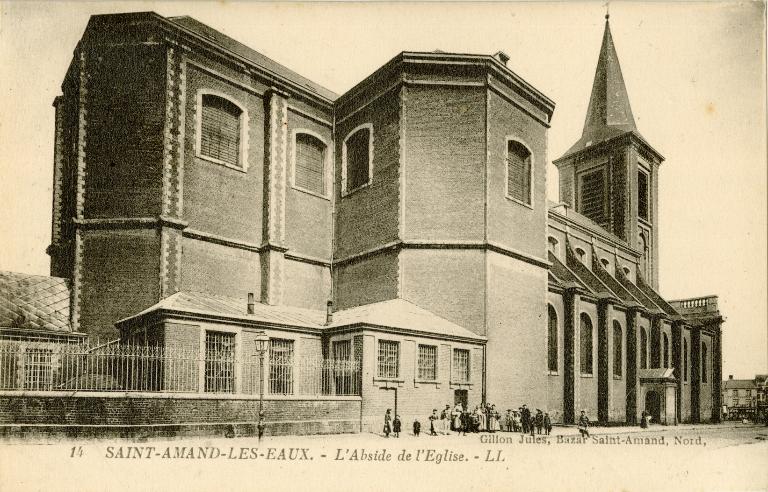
(609, 113)
(250, 54)
(396, 313)
(34, 302)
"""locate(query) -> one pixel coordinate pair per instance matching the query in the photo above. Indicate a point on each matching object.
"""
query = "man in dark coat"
(526, 416)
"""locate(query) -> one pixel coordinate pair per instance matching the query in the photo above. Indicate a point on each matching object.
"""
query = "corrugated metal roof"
(34, 302)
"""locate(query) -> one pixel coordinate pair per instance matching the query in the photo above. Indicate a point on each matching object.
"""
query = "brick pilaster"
(275, 179)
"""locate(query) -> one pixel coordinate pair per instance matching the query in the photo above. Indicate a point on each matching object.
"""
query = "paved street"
(705, 457)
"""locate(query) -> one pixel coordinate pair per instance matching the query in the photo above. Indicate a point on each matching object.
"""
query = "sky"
(695, 74)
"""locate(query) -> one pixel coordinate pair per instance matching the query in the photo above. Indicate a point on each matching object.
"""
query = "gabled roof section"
(224, 41)
(638, 294)
(656, 297)
(400, 314)
(564, 274)
(34, 302)
(600, 272)
(739, 384)
(597, 287)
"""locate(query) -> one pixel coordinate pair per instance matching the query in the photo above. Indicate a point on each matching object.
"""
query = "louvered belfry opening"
(518, 172)
(310, 157)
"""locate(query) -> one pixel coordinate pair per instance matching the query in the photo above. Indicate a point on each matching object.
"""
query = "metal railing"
(50, 366)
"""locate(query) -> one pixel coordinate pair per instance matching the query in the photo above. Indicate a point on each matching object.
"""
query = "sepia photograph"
(385, 246)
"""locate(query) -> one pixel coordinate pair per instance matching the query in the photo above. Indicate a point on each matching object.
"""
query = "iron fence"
(50, 366)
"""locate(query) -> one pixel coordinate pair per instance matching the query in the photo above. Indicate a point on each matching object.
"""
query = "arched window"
(519, 172)
(704, 362)
(586, 344)
(605, 263)
(618, 362)
(309, 164)
(655, 347)
(220, 131)
(552, 340)
(666, 350)
(357, 158)
(553, 245)
(582, 255)
(685, 359)
(643, 349)
(626, 271)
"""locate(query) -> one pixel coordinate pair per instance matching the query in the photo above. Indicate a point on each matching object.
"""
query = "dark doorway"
(460, 396)
(653, 406)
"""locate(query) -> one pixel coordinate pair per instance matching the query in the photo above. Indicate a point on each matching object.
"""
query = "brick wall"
(444, 163)
(181, 415)
(120, 277)
(219, 269)
(368, 280)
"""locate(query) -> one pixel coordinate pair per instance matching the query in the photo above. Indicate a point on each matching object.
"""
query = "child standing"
(396, 426)
(416, 428)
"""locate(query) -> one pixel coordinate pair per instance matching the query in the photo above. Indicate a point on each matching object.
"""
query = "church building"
(204, 193)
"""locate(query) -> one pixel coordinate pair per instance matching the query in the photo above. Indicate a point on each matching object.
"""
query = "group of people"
(483, 418)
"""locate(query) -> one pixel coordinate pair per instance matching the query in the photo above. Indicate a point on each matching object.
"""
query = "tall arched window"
(357, 158)
(618, 362)
(704, 362)
(552, 340)
(518, 172)
(685, 359)
(220, 131)
(586, 344)
(643, 349)
(666, 350)
(655, 347)
(309, 164)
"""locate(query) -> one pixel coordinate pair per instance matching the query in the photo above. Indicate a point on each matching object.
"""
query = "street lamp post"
(262, 342)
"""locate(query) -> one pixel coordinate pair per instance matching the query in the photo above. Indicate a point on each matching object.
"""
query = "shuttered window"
(310, 159)
(220, 130)
(357, 148)
(389, 359)
(518, 172)
(642, 195)
(593, 196)
(219, 362)
(280, 366)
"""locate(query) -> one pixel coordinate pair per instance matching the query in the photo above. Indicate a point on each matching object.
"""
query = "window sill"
(586, 376)
(527, 205)
(355, 190)
(426, 381)
(308, 192)
(617, 378)
(553, 373)
(458, 384)
(388, 380)
(644, 221)
(221, 163)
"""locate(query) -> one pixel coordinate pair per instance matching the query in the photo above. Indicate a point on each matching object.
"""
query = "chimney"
(730, 376)
(502, 57)
(329, 313)
(251, 303)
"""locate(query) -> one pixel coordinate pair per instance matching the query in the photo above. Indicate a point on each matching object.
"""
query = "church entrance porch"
(658, 390)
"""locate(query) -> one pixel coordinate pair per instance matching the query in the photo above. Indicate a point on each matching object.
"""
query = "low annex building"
(398, 235)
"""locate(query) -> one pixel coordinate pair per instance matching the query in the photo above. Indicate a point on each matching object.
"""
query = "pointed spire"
(609, 113)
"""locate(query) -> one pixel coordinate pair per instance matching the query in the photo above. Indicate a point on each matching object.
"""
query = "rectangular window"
(642, 195)
(592, 201)
(219, 362)
(280, 366)
(38, 369)
(427, 363)
(342, 376)
(460, 373)
(389, 359)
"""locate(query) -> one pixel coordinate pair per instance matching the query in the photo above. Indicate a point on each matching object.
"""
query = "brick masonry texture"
(281, 416)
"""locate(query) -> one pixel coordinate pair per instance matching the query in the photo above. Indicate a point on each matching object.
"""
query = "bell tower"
(610, 175)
